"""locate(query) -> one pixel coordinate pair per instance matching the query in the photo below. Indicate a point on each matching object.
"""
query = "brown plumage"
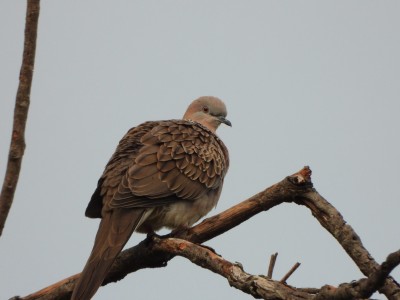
(162, 174)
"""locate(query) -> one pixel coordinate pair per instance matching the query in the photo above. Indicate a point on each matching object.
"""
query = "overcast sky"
(306, 83)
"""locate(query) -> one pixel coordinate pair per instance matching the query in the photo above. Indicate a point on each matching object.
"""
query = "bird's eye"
(205, 109)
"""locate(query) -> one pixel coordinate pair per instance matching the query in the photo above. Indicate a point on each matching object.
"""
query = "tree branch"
(17, 146)
(362, 288)
(255, 285)
(151, 253)
(144, 256)
(333, 222)
(272, 265)
(266, 288)
(291, 271)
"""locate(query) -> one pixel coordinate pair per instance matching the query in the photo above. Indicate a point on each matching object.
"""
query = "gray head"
(208, 111)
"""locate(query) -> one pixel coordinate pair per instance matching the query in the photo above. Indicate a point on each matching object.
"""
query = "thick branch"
(288, 190)
(17, 146)
(362, 288)
(333, 221)
(257, 286)
(266, 288)
(296, 188)
(143, 256)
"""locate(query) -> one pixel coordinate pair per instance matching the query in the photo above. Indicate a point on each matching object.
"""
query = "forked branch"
(297, 188)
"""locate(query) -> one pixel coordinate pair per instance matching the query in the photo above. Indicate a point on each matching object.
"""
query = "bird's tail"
(114, 231)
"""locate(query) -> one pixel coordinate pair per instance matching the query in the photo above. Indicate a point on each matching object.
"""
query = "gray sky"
(305, 82)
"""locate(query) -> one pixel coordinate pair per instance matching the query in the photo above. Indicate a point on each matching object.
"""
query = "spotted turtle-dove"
(162, 174)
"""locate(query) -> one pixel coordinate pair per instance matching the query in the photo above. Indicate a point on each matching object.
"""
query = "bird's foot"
(178, 232)
(151, 236)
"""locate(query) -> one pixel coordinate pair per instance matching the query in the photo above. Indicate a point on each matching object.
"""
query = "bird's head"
(208, 111)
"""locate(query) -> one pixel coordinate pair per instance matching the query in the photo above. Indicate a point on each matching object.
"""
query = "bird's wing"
(123, 157)
(176, 160)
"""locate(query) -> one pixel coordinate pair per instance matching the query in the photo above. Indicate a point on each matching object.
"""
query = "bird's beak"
(225, 121)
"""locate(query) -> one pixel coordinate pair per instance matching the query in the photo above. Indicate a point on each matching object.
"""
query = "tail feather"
(114, 231)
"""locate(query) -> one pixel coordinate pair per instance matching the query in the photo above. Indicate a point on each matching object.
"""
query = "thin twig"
(272, 264)
(17, 146)
(291, 271)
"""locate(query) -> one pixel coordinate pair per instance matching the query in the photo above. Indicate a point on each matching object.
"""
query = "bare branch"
(362, 288)
(17, 146)
(144, 256)
(151, 253)
(332, 220)
(288, 190)
(257, 286)
(262, 287)
(291, 271)
(271, 267)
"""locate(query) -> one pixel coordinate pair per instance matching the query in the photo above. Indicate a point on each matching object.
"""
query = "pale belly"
(180, 214)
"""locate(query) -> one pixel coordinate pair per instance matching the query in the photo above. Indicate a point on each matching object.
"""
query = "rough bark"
(17, 146)
(332, 221)
(157, 251)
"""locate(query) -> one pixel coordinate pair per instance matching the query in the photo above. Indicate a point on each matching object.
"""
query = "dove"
(166, 173)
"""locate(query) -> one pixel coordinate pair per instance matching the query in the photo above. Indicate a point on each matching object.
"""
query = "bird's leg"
(151, 235)
(178, 231)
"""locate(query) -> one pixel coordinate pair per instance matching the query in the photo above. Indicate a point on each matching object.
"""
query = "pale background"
(306, 83)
